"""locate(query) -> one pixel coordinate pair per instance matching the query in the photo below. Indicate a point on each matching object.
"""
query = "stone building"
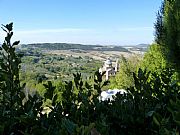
(109, 68)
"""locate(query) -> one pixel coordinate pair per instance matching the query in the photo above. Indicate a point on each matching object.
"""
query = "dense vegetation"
(37, 66)
(168, 31)
(40, 65)
(60, 66)
(150, 106)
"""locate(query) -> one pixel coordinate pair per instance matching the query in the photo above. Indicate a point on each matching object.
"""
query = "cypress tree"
(167, 32)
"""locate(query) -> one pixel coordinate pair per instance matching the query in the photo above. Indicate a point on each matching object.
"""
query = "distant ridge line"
(67, 46)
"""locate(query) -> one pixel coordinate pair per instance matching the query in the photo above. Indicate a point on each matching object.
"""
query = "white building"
(109, 68)
(108, 94)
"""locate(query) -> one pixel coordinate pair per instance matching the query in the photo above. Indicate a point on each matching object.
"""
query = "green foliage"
(10, 88)
(174, 108)
(124, 77)
(38, 68)
(168, 30)
(154, 59)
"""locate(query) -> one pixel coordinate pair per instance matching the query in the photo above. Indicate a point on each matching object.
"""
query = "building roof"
(108, 61)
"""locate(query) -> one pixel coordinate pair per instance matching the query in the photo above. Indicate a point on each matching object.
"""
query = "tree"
(168, 31)
(154, 59)
(124, 78)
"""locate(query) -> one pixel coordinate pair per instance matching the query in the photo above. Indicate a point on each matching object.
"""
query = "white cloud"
(41, 31)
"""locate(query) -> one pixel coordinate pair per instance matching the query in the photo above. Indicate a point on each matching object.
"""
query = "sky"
(105, 22)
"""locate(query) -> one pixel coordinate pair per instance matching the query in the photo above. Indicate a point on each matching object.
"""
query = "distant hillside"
(66, 46)
(142, 45)
(139, 47)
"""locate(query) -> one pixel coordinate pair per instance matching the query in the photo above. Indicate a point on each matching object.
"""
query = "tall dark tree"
(159, 33)
(168, 30)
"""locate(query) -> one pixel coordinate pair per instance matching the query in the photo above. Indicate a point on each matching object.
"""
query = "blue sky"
(106, 22)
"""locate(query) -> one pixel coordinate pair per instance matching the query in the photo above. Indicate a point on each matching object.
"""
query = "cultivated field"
(97, 55)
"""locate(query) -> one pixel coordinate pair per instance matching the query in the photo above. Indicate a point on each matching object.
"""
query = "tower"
(116, 66)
